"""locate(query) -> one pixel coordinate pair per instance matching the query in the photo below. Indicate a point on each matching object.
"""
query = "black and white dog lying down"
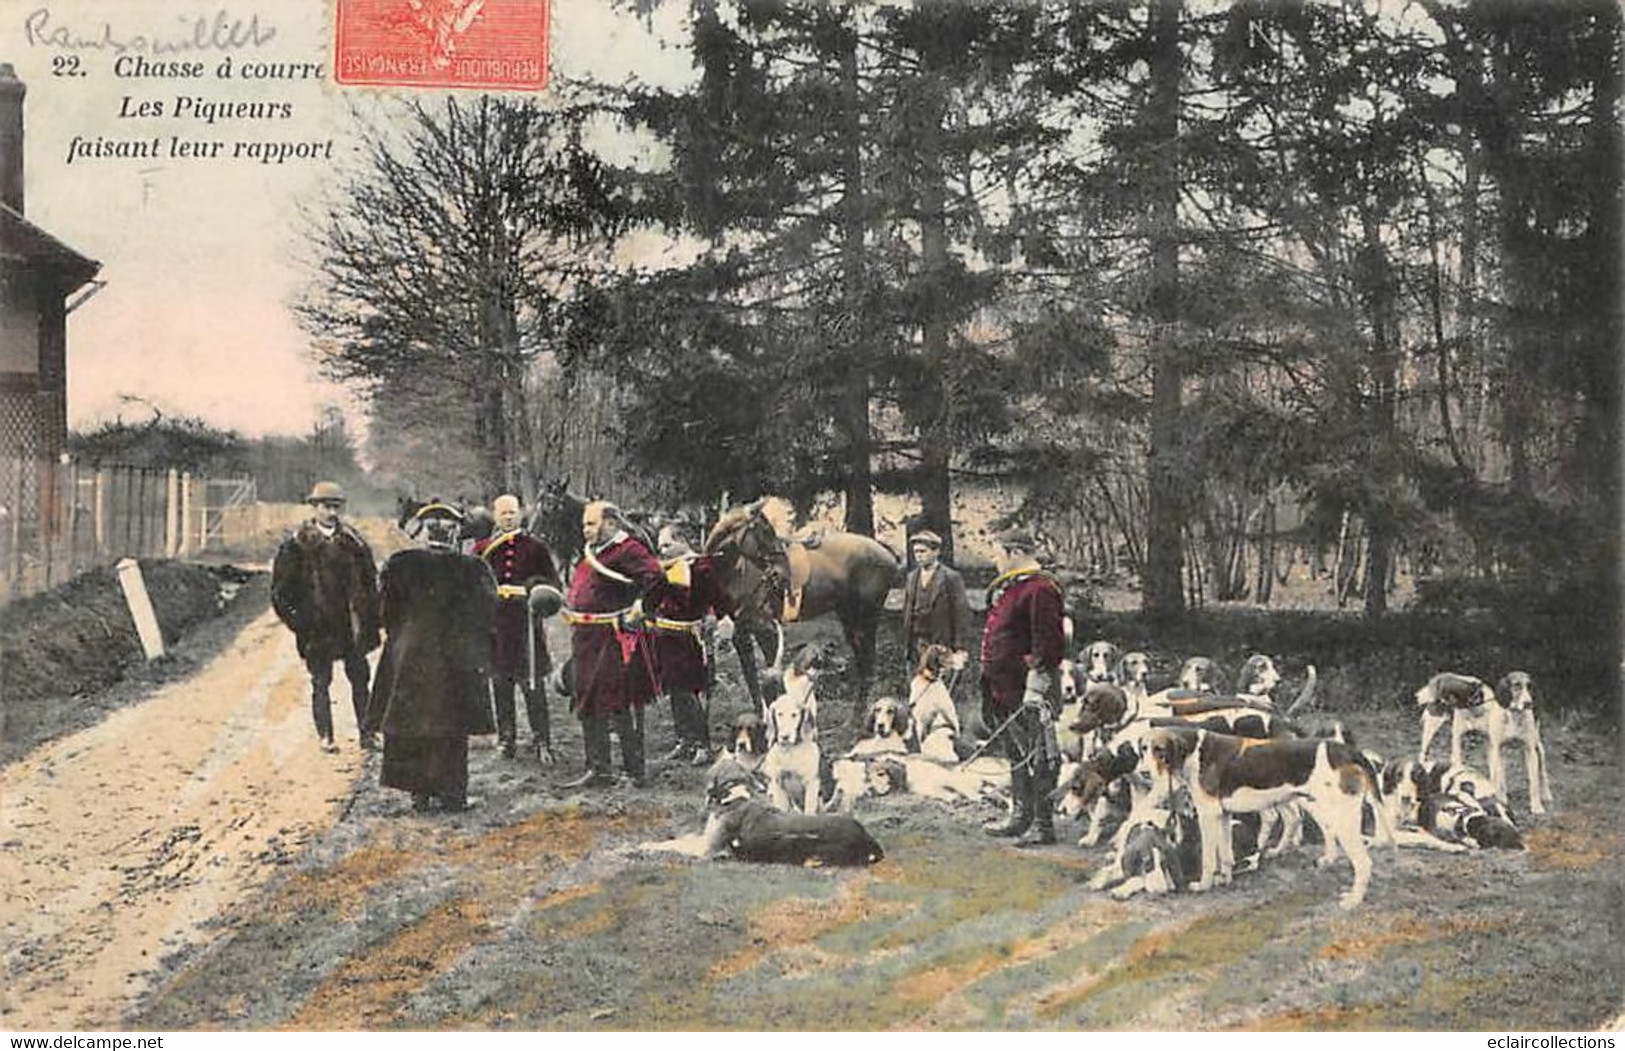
(1161, 853)
(741, 826)
(1449, 808)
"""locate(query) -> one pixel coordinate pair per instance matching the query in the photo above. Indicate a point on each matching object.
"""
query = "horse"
(556, 518)
(847, 574)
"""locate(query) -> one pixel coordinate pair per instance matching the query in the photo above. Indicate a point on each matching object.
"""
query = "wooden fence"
(60, 518)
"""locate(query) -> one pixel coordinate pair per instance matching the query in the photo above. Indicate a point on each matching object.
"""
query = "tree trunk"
(1162, 595)
(936, 486)
(860, 500)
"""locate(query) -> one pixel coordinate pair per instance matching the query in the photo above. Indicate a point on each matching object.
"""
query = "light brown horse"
(848, 574)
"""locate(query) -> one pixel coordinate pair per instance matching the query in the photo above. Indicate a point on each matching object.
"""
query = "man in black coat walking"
(324, 586)
(431, 694)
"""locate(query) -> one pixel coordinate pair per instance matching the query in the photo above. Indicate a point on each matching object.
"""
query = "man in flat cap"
(520, 562)
(324, 587)
(1023, 642)
(438, 606)
(934, 606)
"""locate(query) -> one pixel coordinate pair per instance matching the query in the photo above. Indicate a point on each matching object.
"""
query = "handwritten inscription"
(223, 32)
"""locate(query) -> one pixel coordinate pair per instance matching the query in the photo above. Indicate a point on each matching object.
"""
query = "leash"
(994, 736)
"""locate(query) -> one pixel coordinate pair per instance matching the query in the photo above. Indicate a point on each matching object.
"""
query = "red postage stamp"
(442, 43)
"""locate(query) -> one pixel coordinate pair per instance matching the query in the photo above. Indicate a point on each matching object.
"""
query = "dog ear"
(771, 730)
(871, 721)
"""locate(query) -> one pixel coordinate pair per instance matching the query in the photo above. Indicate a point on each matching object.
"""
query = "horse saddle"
(795, 551)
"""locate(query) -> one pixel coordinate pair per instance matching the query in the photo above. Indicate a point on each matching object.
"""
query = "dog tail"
(1305, 695)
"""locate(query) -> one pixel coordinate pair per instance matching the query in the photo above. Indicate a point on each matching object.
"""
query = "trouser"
(688, 718)
(628, 726)
(1033, 768)
(535, 712)
(321, 678)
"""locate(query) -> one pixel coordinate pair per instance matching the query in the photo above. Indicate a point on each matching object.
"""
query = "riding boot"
(1040, 785)
(629, 728)
(595, 738)
(1021, 795)
(507, 721)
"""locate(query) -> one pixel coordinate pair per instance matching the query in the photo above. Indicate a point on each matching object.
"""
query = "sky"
(202, 259)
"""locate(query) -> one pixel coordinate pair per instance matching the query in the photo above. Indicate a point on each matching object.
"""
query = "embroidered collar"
(497, 541)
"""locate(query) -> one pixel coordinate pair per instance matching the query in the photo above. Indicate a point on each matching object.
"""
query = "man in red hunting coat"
(519, 656)
(612, 659)
(1023, 642)
(324, 587)
(694, 603)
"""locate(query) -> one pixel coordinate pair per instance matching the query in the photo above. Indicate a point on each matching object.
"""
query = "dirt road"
(123, 841)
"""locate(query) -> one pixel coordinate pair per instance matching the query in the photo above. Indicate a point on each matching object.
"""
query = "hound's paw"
(1350, 901)
(1099, 880)
(1124, 891)
(1326, 860)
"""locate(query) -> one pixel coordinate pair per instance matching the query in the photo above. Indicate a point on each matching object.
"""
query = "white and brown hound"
(1201, 675)
(885, 729)
(747, 743)
(1133, 672)
(792, 760)
(1469, 704)
(917, 775)
(1237, 775)
(933, 718)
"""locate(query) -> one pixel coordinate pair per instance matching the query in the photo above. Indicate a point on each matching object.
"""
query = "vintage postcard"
(577, 515)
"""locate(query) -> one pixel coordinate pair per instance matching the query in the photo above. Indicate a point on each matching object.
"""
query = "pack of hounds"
(1184, 779)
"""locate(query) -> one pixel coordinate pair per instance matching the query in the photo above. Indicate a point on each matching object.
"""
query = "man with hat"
(438, 606)
(520, 562)
(693, 605)
(324, 586)
(934, 606)
(1023, 642)
(613, 664)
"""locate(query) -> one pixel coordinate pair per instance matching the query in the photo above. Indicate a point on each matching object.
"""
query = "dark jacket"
(938, 612)
(437, 609)
(326, 591)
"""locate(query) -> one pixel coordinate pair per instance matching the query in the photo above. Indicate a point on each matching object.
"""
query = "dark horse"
(556, 518)
(847, 574)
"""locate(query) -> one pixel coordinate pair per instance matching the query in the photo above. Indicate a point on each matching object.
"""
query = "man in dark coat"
(934, 606)
(695, 604)
(520, 562)
(324, 586)
(438, 607)
(1023, 642)
(612, 660)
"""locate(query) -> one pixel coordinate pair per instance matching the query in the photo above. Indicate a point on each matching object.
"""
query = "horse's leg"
(745, 647)
(860, 628)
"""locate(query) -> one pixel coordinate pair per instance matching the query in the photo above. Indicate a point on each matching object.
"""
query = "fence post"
(99, 512)
(73, 518)
(172, 509)
(186, 515)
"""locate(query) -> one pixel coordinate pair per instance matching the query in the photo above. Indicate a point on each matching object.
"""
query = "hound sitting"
(792, 757)
(1133, 672)
(1228, 775)
(742, 827)
(1098, 661)
(933, 719)
(917, 775)
(747, 743)
(1470, 704)
(884, 730)
(1201, 675)
(1161, 854)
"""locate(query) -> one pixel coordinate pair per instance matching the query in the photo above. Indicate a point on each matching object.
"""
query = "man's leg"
(595, 739)
(1018, 744)
(321, 702)
(507, 720)
(629, 728)
(359, 673)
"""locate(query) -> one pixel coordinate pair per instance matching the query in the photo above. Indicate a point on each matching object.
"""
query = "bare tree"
(450, 253)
